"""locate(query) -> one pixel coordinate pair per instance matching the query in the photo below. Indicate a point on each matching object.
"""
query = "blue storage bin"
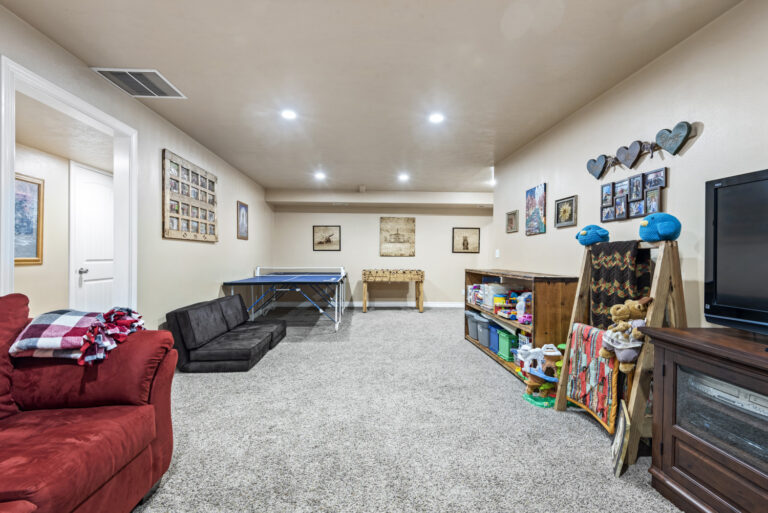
(493, 340)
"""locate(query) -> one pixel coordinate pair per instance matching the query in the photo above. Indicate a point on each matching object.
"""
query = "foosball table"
(394, 276)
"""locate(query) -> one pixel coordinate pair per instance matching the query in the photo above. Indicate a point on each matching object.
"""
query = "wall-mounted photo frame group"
(565, 212)
(326, 238)
(466, 240)
(397, 236)
(28, 220)
(513, 222)
(633, 197)
(190, 199)
(242, 220)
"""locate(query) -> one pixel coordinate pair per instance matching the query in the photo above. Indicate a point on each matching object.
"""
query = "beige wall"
(717, 78)
(171, 273)
(444, 279)
(46, 285)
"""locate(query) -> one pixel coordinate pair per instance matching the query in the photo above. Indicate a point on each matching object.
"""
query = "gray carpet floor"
(396, 412)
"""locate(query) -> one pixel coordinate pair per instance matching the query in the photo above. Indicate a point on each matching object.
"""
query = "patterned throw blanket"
(82, 336)
(620, 271)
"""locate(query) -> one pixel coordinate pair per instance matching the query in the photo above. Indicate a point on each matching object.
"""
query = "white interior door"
(91, 239)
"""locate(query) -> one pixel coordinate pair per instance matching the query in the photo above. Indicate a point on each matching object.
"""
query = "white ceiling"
(46, 129)
(364, 75)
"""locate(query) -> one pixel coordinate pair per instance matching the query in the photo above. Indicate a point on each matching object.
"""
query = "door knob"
(82, 271)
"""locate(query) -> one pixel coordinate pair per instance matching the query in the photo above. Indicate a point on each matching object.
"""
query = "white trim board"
(13, 78)
(375, 304)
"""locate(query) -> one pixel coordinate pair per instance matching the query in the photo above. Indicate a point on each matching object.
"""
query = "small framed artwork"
(621, 188)
(637, 208)
(194, 193)
(184, 173)
(621, 207)
(512, 222)
(326, 238)
(653, 201)
(28, 221)
(195, 179)
(173, 207)
(565, 211)
(607, 214)
(536, 209)
(174, 169)
(184, 188)
(242, 221)
(656, 178)
(606, 194)
(466, 240)
(636, 187)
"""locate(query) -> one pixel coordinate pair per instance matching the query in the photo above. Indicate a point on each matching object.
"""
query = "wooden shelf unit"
(553, 297)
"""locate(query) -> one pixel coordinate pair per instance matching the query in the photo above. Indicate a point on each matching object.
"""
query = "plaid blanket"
(82, 336)
(620, 271)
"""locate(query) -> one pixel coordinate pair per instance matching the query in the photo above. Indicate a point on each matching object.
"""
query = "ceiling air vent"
(140, 83)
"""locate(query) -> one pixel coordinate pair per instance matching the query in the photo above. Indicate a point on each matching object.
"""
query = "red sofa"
(83, 438)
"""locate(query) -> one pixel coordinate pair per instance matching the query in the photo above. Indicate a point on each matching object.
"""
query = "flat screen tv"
(736, 260)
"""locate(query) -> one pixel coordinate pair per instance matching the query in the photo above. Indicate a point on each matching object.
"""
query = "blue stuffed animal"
(656, 227)
(591, 234)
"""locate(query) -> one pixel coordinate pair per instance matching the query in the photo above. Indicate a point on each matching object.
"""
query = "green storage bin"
(507, 342)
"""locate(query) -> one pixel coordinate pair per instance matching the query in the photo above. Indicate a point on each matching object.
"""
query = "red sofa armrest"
(125, 377)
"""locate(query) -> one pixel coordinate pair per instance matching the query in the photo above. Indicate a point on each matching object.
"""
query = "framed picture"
(621, 207)
(397, 236)
(637, 208)
(512, 222)
(621, 188)
(606, 194)
(636, 188)
(28, 220)
(242, 221)
(607, 214)
(535, 210)
(656, 178)
(466, 240)
(565, 212)
(184, 201)
(653, 201)
(326, 238)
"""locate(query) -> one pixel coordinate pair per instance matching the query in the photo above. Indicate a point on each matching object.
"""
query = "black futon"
(216, 336)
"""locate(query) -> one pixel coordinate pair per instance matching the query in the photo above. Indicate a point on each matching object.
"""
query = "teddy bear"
(623, 338)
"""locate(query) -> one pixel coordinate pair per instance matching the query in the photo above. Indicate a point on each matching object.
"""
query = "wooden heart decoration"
(596, 167)
(674, 140)
(629, 156)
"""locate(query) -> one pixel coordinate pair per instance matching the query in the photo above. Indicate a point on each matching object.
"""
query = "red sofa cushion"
(14, 315)
(57, 458)
(123, 378)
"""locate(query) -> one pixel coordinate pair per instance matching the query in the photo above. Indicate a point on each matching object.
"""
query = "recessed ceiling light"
(319, 175)
(288, 114)
(403, 177)
(436, 118)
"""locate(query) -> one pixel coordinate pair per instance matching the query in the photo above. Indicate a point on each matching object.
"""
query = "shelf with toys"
(519, 309)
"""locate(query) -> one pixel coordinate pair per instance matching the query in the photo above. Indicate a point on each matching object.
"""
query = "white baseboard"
(376, 304)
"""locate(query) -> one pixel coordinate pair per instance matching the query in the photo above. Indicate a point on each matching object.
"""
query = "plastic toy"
(525, 319)
(524, 303)
(591, 234)
(661, 226)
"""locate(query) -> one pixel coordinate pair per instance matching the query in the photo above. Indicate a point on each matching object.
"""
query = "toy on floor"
(591, 234)
(658, 227)
(541, 370)
(623, 337)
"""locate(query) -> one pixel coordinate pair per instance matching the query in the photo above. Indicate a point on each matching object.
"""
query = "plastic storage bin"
(483, 333)
(471, 323)
(493, 339)
(507, 342)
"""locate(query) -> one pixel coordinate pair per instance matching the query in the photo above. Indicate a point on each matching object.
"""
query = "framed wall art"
(653, 201)
(466, 240)
(621, 207)
(565, 212)
(397, 236)
(636, 187)
(606, 194)
(326, 238)
(535, 210)
(28, 220)
(656, 178)
(242, 220)
(190, 200)
(513, 223)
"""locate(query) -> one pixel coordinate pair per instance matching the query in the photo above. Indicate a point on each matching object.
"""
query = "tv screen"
(736, 281)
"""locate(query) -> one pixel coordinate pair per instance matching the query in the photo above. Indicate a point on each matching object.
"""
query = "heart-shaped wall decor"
(596, 167)
(629, 156)
(674, 140)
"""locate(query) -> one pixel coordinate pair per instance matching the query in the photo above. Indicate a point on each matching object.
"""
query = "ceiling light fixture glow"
(436, 118)
(288, 114)
(403, 177)
(319, 175)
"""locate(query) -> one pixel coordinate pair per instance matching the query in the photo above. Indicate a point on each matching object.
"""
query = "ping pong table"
(274, 282)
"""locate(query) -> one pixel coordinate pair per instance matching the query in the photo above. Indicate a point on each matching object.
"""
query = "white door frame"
(13, 78)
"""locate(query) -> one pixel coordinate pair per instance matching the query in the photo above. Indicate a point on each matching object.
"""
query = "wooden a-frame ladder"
(667, 294)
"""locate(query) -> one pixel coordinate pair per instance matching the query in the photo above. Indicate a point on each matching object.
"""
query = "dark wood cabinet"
(710, 419)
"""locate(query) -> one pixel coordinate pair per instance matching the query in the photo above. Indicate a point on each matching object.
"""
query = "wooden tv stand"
(710, 418)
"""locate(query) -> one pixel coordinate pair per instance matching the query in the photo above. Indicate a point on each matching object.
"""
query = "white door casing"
(91, 239)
